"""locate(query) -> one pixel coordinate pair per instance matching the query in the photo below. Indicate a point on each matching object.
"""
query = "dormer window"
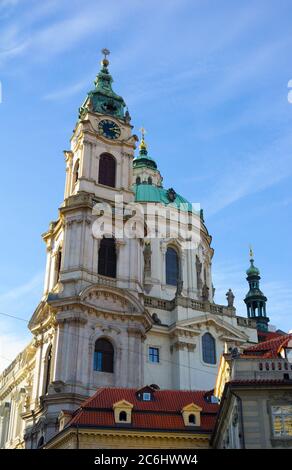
(123, 412)
(192, 415)
(146, 393)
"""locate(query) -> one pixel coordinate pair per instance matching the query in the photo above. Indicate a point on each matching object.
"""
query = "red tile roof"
(266, 335)
(162, 413)
(270, 348)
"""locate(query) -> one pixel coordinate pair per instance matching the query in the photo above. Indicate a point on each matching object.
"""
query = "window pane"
(103, 356)
(154, 355)
(107, 258)
(172, 267)
(288, 425)
(209, 349)
(278, 426)
(107, 170)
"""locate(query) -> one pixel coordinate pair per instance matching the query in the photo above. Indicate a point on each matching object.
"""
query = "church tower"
(119, 310)
(255, 300)
(89, 326)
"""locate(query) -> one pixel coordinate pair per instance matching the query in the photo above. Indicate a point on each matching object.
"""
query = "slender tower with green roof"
(255, 300)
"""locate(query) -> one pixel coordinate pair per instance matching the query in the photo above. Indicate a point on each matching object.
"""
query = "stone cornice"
(132, 434)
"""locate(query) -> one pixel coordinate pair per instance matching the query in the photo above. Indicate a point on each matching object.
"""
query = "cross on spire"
(105, 52)
(143, 132)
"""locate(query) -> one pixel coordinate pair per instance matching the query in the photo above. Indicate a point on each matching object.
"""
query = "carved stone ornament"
(171, 194)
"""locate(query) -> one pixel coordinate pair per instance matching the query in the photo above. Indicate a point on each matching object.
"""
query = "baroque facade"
(116, 311)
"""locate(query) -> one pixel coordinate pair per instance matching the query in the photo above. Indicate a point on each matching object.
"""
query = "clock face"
(109, 129)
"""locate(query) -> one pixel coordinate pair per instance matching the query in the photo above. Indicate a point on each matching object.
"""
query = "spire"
(143, 146)
(102, 99)
(144, 160)
(255, 300)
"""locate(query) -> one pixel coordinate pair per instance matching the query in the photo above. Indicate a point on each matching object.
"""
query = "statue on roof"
(230, 298)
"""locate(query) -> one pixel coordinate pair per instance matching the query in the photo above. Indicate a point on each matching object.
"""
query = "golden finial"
(250, 252)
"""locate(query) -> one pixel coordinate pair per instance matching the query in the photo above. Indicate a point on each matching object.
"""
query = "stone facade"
(134, 311)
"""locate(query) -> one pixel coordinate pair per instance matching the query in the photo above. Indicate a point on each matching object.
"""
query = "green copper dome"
(252, 270)
(149, 193)
(143, 159)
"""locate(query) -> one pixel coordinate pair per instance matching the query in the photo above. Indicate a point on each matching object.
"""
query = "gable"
(192, 407)
(111, 299)
(226, 331)
(123, 404)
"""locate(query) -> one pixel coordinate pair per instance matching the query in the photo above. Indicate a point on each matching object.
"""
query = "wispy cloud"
(22, 299)
(67, 91)
(11, 344)
(22, 289)
(252, 173)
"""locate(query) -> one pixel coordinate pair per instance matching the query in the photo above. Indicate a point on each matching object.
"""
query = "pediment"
(123, 404)
(201, 323)
(111, 300)
(192, 407)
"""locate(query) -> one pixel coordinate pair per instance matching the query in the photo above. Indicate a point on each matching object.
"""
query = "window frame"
(110, 258)
(205, 352)
(168, 280)
(101, 357)
(283, 434)
(154, 348)
(105, 177)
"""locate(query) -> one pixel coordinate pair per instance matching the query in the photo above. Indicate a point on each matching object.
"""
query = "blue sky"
(208, 80)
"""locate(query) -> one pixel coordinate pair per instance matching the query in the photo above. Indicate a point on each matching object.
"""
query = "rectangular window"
(282, 421)
(154, 355)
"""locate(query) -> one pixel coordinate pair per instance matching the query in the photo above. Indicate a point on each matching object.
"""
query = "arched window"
(123, 416)
(76, 172)
(107, 257)
(209, 349)
(138, 180)
(103, 356)
(107, 170)
(172, 267)
(149, 180)
(192, 419)
(48, 369)
(58, 264)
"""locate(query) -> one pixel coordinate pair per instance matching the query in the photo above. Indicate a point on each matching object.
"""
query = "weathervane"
(250, 252)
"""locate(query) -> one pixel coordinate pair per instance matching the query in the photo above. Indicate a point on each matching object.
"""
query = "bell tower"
(255, 300)
(102, 145)
(99, 169)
